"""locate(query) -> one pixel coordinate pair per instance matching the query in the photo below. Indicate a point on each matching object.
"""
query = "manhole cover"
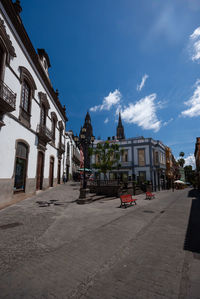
(148, 211)
(10, 225)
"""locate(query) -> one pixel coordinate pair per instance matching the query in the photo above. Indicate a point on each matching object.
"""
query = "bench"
(127, 199)
(150, 195)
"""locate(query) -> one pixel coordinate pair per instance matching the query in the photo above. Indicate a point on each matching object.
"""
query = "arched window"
(44, 104)
(21, 166)
(7, 50)
(43, 115)
(54, 120)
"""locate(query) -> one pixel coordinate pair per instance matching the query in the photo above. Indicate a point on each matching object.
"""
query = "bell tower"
(120, 129)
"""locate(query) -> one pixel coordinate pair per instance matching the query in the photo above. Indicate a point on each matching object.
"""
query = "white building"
(73, 156)
(32, 119)
(142, 159)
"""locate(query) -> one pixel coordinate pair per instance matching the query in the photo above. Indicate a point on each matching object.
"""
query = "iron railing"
(61, 146)
(7, 95)
(44, 132)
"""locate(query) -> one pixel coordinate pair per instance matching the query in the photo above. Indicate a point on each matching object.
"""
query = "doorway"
(51, 170)
(20, 167)
(59, 166)
(40, 171)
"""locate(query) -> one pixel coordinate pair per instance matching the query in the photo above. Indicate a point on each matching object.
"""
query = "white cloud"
(167, 122)
(193, 103)
(190, 160)
(106, 120)
(94, 109)
(144, 78)
(143, 113)
(108, 102)
(195, 44)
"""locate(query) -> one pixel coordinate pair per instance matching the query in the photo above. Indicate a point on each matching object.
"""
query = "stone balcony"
(61, 147)
(44, 134)
(7, 101)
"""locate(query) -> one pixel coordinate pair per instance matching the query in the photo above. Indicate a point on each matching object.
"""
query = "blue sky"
(138, 57)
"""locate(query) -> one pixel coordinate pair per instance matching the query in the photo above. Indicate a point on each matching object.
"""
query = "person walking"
(64, 178)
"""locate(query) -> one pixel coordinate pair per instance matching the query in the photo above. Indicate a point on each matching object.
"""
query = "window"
(54, 128)
(44, 106)
(61, 128)
(156, 158)
(125, 156)
(142, 176)
(141, 157)
(54, 120)
(6, 48)
(26, 93)
(68, 150)
(43, 115)
(20, 166)
(2, 62)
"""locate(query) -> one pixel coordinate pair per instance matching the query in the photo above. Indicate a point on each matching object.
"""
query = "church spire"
(120, 129)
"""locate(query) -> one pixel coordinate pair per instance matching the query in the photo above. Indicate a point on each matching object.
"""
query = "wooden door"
(40, 170)
(58, 177)
(51, 169)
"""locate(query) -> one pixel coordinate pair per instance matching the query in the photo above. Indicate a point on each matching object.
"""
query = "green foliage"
(107, 157)
(181, 154)
(181, 162)
(190, 175)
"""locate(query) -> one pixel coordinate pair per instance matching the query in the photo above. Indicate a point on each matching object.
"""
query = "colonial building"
(142, 159)
(73, 156)
(32, 119)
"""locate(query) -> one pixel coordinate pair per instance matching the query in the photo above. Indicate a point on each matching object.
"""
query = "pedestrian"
(64, 178)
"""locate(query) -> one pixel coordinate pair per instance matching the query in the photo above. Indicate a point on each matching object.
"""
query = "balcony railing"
(44, 133)
(61, 147)
(7, 98)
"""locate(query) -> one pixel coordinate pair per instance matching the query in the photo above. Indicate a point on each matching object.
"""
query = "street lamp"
(84, 141)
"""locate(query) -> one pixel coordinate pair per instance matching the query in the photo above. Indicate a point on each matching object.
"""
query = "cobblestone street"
(99, 250)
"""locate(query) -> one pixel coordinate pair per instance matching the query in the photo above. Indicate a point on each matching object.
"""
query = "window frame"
(141, 149)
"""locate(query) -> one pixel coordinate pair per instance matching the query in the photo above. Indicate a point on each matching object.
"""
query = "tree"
(106, 157)
(181, 161)
(190, 174)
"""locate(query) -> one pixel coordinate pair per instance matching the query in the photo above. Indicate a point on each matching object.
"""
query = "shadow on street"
(192, 239)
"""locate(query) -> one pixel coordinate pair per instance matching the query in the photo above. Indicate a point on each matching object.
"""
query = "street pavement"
(98, 250)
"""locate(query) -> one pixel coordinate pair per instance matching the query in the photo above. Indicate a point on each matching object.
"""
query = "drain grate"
(10, 225)
(148, 211)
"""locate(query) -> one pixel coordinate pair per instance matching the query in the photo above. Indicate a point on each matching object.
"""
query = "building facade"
(142, 159)
(197, 160)
(73, 156)
(32, 119)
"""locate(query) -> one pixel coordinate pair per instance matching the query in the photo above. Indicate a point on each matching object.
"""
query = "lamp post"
(84, 141)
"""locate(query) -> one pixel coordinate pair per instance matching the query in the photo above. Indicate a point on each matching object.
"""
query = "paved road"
(99, 250)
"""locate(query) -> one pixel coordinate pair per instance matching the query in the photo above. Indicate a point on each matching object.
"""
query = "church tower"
(120, 129)
(89, 133)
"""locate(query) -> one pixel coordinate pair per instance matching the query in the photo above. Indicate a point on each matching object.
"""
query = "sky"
(140, 58)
